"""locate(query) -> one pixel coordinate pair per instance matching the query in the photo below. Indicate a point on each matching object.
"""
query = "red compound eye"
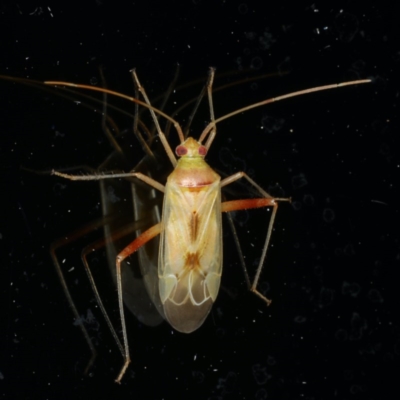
(202, 150)
(181, 151)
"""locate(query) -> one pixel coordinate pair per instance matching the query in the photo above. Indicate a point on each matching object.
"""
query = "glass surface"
(332, 330)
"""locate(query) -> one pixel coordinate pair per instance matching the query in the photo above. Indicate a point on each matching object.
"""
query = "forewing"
(190, 258)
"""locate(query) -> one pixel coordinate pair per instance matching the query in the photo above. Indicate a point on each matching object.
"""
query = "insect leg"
(130, 249)
(266, 201)
(98, 177)
(161, 135)
(73, 236)
(124, 231)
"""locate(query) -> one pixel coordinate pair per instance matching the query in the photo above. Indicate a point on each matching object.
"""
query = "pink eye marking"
(202, 150)
(181, 151)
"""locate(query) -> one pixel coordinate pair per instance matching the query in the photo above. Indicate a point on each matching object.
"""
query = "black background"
(332, 330)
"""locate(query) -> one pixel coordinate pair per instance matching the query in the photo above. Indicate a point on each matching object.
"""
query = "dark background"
(333, 329)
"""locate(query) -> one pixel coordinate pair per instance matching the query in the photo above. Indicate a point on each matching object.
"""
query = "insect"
(190, 250)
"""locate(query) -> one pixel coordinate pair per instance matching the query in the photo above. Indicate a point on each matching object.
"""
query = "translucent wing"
(138, 205)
